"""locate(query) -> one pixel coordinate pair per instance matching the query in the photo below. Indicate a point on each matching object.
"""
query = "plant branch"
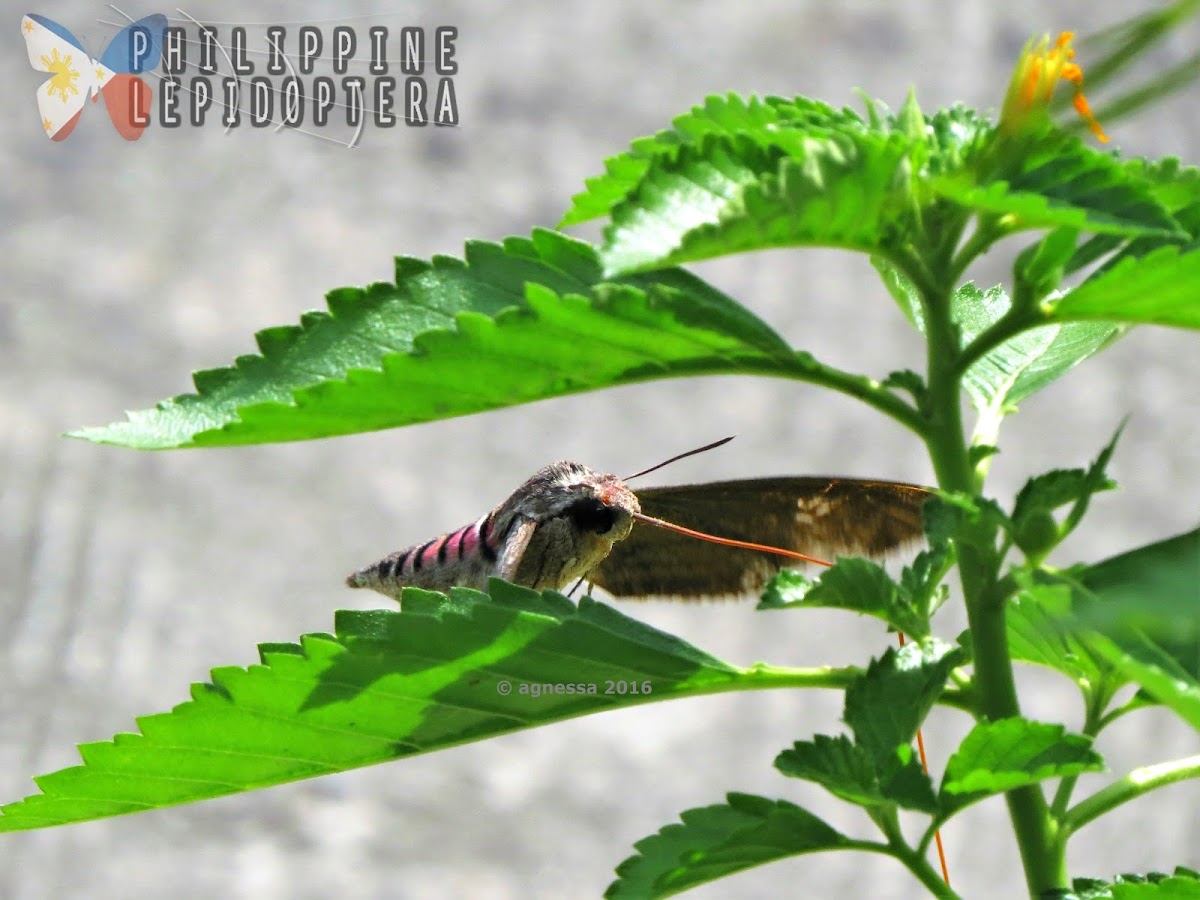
(1041, 856)
(772, 677)
(986, 233)
(913, 860)
(1132, 705)
(806, 368)
(1135, 784)
(1092, 723)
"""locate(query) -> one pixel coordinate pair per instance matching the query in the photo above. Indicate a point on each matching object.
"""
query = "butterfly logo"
(74, 74)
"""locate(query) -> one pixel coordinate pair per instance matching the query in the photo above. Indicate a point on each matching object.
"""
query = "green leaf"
(1177, 887)
(1034, 528)
(854, 584)
(1095, 480)
(947, 512)
(955, 135)
(1156, 669)
(1184, 884)
(909, 381)
(1058, 181)
(515, 323)
(1159, 288)
(387, 685)
(886, 705)
(1027, 362)
(847, 770)
(756, 118)
(1153, 588)
(840, 188)
(1020, 366)
(1050, 490)
(902, 290)
(1037, 634)
(715, 841)
(1140, 612)
(1040, 267)
(996, 757)
(1175, 188)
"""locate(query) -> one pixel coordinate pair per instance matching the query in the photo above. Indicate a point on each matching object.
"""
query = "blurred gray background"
(126, 576)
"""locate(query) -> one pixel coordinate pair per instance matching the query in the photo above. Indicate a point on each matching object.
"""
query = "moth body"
(556, 527)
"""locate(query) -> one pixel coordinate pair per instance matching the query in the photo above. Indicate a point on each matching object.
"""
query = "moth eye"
(590, 514)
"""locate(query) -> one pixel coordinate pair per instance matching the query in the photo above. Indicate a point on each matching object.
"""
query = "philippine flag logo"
(137, 48)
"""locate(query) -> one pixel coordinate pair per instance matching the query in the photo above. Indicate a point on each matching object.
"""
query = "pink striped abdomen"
(464, 557)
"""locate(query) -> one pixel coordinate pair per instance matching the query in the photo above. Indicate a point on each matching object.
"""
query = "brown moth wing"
(820, 516)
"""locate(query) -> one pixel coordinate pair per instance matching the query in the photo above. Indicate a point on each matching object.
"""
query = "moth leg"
(519, 536)
(575, 587)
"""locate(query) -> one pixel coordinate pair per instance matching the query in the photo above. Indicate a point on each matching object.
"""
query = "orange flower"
(1039, 69)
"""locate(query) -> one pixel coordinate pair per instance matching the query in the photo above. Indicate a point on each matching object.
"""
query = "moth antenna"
(728, 542)
(667, 462)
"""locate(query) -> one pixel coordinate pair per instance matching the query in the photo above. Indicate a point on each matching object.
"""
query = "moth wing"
(515, 546)
(820, 516)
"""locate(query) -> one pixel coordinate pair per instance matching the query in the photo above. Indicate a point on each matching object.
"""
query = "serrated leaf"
(515, 323)
(1027, 362)
(1059, 181)
(921, 580)
(1050, 490)
(1037, 634)
(1184, 884)
(1095, 480)
(1019, 367)
(387, 685)
(1034, 528)
(847, 770)
(907, 380)
(996, 757)
(1159, 288)
(837, 188)
(854, 584)
(1167, 889)
(715, 841)
(1175, 188)
(955, 134)
(886, 705)
(758, 119)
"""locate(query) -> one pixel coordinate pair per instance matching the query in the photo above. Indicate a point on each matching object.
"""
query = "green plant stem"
(986, 233)
(1041, 855)
(805, 367)
(1092, 723)
(913, 860)
(1135, 784)
(772, 677)
(1132, 705)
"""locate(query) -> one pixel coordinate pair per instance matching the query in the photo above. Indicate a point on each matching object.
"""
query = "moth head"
(597, 506)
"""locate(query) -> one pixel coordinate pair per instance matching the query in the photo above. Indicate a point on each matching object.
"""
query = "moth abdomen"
(463, 557)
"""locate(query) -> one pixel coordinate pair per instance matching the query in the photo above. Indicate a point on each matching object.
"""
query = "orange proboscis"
(729, 542)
